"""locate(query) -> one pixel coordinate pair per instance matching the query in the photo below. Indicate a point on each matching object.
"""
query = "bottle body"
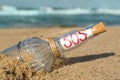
(12, 51)
(41, 56)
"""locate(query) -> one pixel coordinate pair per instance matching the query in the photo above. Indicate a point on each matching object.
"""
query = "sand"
(97, 59)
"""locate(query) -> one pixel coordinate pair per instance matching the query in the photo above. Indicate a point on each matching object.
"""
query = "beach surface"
(97, 59)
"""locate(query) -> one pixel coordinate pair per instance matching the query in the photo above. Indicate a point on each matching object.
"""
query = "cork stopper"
(98, 28)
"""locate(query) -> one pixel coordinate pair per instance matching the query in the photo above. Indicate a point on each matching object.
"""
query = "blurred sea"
(49, 16)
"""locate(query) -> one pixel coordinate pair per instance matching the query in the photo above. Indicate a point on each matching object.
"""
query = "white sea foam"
(8, 10)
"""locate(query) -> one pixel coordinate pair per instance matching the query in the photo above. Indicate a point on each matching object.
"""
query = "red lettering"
(68, 42)
(75, 39)
(83, 34)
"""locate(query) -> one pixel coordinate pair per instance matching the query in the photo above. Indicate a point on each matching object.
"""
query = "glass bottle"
(44, 52)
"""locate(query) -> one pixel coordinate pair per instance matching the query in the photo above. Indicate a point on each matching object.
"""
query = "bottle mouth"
(98, 29)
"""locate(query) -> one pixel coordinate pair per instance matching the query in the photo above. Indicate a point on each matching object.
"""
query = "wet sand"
(98, 59)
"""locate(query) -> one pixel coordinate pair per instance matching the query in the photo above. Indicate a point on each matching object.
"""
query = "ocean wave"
(10, 10)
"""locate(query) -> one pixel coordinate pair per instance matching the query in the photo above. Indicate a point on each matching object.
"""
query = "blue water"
(47, 16)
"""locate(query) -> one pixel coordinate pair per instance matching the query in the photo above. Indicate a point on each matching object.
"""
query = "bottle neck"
(73, 39)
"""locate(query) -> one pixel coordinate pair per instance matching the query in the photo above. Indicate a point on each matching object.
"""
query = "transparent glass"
(42, 57)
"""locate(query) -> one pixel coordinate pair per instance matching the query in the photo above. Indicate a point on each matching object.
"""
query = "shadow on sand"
(73, 60)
